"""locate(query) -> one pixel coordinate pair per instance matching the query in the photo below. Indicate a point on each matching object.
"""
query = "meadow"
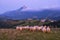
(13, 34)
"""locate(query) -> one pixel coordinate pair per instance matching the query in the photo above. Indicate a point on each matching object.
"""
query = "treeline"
(14, 23)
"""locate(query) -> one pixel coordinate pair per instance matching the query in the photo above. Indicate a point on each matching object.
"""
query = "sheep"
(17, 28)
(26, 27)
(48, 29)
(44, 29)
(39, 28)
(32, 29)
(21, 28)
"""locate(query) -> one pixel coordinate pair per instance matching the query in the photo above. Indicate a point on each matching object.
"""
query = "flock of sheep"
(45, 29)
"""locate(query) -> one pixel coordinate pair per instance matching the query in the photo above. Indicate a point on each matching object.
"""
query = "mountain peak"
(22, 8)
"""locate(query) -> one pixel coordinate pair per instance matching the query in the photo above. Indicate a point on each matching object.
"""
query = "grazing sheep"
(26, 27)
(32, 29)
(39, 28)
(48, 29)
(44, 29)
(17, 28)
(21, 28)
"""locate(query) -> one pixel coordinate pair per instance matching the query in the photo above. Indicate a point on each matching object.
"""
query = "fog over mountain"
(25, 13)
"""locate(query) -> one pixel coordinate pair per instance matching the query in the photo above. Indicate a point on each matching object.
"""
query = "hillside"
(18, 14)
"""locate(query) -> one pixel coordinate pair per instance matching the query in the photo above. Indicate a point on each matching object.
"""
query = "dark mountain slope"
(18, 15)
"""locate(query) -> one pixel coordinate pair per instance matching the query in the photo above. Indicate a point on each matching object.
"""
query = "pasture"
(13, 34)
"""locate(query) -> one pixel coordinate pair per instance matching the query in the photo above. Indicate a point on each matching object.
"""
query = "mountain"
(18, 14)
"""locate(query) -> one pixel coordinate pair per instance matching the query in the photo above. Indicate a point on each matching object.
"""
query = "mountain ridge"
(46, 13)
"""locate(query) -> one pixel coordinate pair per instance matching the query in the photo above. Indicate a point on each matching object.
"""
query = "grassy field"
(13, 34)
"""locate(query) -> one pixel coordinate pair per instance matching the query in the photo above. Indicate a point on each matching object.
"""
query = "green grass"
(12, 34)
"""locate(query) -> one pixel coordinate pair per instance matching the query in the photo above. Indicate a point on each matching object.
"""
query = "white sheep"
(39, 28)
(48, 29)
(21, 28)
(32, 29)
(44, 29)
(17, 28)
(26, 27)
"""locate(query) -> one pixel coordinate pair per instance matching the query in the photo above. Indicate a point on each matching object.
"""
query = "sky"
(8, 5)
